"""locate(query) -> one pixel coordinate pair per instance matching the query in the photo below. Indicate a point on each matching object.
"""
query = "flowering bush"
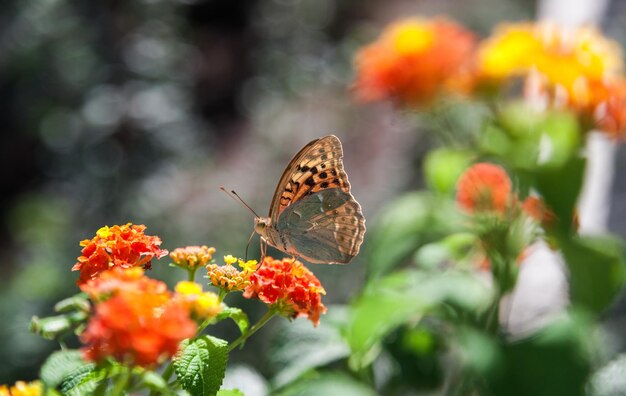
(437, 313)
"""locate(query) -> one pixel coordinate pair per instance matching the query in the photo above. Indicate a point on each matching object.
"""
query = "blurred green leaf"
(407, 223)
(55, 327)
(230, 392)
(237, 315)
(154, 382)
(561, 139)
(555, 361)
(520, 120)
(406, 296)
(78, 302)
(298, 347)
(453, 248)
(560, 187)
(442, 168)
(201, 365)
(597, 270)
(61, 365)
(328, 384)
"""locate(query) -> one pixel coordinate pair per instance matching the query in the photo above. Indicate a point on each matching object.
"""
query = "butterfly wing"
(317, 166)
(323, 227)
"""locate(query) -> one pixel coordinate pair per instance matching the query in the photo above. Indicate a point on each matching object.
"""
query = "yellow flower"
(202, 304)
(22, 388)
(228, 277)
(192, 257)
(229, 259)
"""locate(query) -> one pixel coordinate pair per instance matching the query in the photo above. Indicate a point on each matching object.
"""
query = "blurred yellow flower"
(201, 304)
(22, 388)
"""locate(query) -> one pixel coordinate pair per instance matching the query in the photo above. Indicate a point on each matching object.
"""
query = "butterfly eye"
(259, 226)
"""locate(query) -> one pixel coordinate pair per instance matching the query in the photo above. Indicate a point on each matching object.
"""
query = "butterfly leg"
(263, 245)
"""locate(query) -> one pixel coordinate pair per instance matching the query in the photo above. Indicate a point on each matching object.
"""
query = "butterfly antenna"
(234, 194)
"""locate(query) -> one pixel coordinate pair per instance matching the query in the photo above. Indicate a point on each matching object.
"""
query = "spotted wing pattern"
(316, 167)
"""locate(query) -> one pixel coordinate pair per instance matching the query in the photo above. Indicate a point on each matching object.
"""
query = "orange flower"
(536, 208)
(118, 246)
(484, 187)
(610, 113)
(129, 280)
(412, 60)
(22, 388)
(192, 257)
(288, 286)
(139, 324)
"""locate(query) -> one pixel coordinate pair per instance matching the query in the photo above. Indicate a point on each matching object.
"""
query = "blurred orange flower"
(192, 257)
(139, 324)
(536, 208)
(129, 280)
(610, 113)
(412, 60)
(484, 187)
(118, 246)
(22, 388)
(289, 287)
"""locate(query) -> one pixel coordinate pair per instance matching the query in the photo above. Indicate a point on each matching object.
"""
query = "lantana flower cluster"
(289, 287)
(137, 321)
(118, 246)
(416, 60)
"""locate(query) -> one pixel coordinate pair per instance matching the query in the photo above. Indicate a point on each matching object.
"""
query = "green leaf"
(406, 224)
(328, 384)
(83, 381)
(320, 346)
(406, 296)
(597, 270)
(237, 315)
(556, 361)
(62, 365)
(230, 392)
(79, 302)
(560, 187)
(153, 381)
(442, 168)
(54, 327)
(201, 365)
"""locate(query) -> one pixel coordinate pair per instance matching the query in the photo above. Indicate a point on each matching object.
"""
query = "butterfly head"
(261, 224)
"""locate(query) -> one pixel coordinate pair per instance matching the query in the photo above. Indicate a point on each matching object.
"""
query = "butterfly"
(313, 215)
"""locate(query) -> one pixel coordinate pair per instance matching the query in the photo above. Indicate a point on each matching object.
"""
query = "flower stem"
(242, 338)
(121, 382)
(192, 274)
(167, 373)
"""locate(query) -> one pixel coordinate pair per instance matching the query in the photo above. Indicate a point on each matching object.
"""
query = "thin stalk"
(268, 315)
(122, 381)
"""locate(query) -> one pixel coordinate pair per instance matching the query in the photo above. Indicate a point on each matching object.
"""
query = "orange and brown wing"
(318, 166)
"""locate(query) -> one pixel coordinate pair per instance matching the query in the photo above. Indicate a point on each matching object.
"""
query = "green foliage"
(555, 361)
(328, 384)
(442, 168)
(404, 225)
(298, 347)
(63, 367)
(201, 365)
(230, 392)
(237, 315)
(406, 296)
(597, 270)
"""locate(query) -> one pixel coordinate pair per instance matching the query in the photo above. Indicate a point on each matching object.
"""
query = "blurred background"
(137, 111)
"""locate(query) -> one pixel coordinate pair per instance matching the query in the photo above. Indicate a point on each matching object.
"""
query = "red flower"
(484, 187)
(139, 324)
(118, 246)
(288, 286)
(412, 60)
